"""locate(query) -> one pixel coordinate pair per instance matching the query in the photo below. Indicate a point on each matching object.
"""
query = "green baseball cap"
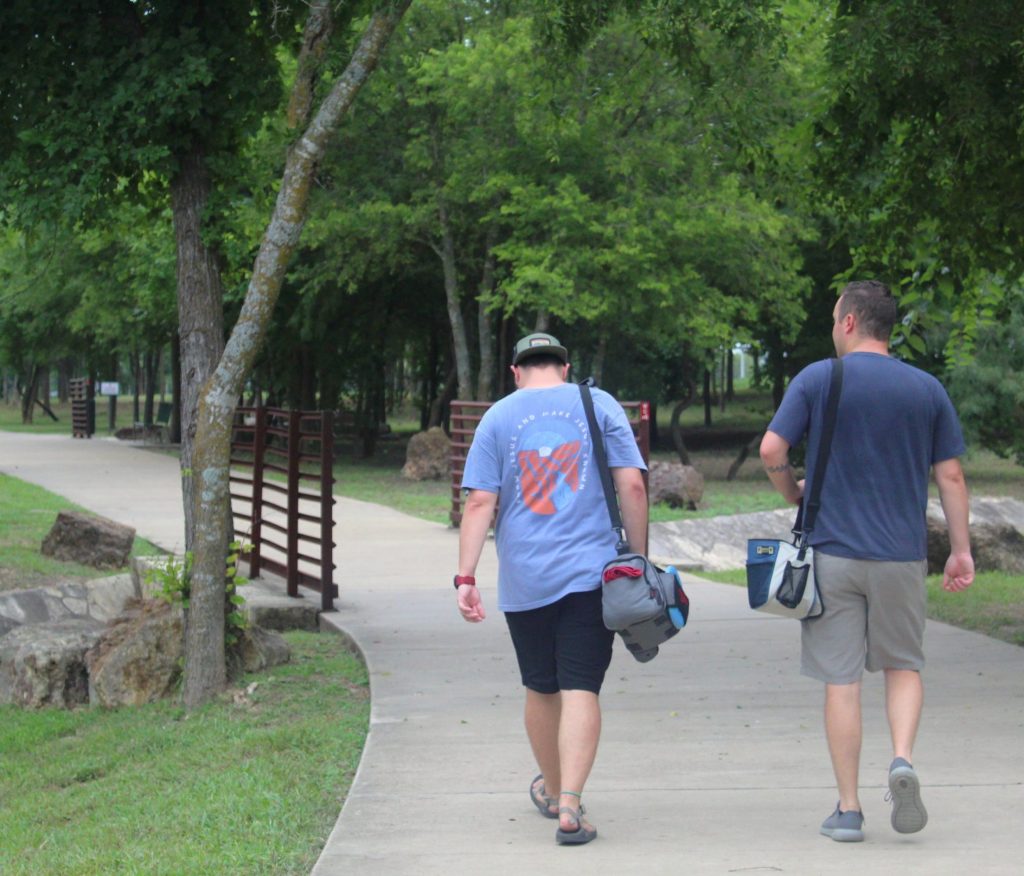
(539, 343)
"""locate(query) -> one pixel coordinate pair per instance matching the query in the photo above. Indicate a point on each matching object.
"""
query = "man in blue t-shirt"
(534, 451)
(895, 423)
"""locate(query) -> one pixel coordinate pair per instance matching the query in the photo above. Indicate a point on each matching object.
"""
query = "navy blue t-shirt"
(894, 422)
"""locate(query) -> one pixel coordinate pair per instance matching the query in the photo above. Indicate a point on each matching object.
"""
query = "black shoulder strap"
(810, 511)
(601, 458)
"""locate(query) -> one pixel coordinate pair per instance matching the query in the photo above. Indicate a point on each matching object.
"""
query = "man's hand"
(470, 604)
(959, 572)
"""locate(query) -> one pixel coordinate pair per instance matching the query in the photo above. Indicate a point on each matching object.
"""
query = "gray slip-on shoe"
(908, 812)
(844, 827)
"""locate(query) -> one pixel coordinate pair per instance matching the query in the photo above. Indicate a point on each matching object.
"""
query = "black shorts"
(564, 645)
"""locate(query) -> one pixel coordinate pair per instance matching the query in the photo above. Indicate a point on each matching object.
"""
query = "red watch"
(464, 579)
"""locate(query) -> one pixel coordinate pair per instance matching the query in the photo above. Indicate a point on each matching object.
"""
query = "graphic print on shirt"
(548, 458)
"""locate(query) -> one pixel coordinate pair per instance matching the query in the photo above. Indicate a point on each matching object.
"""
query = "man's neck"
(868, 345)
(540, 378)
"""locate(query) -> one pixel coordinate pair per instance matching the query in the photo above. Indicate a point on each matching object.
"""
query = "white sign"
(109, 388)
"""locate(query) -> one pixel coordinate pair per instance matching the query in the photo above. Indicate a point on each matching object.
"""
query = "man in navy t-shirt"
(895, 424)
(534, 450)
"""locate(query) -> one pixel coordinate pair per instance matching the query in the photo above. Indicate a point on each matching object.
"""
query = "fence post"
(326, 511)
(293, 502)
(259, 438)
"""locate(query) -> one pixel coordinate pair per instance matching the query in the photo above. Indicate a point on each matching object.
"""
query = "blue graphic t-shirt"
(553, 532)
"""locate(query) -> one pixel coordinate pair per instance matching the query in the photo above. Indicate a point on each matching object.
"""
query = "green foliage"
(172, 575)
(989, 389)
(100, 97)
(920, 153)
(174, 579)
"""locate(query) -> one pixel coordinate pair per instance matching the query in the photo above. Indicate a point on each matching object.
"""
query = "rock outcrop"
(89, 540)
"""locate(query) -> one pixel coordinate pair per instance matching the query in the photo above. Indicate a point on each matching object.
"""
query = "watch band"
(464, 579)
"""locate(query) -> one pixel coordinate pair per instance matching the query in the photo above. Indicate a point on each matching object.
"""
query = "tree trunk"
(205, 675)
(460, 343)
(707, 397)
(65, 368)
(485, 329)
(200, 311)
(730, 375)
(174, 426)
(152, 369)
(597, 362)
(676, 428)
(28, 394)
(137, 387)
(439, 407)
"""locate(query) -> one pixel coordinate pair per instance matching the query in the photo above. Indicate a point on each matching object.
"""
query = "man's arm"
(477, 512)
(959, 571)
(629, 484)
(775, 458)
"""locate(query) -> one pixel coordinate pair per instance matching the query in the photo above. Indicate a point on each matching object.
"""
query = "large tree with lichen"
(107, 100)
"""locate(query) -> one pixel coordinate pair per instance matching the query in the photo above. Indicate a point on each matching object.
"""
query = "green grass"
(992, 605)
(27, 513)
(250, 786)
(10, 417)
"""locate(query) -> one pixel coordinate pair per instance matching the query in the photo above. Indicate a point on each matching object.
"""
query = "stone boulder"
(997, 536)
(90, 540)
(44, 664)
(428, 456)
(138, 657)
(678, 485)
(98, 598)
(258, 649)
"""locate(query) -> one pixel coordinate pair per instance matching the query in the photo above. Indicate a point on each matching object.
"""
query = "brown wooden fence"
(83, 407)
(273, 452)
(466, 416)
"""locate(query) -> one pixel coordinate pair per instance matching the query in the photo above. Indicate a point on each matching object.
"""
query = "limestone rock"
(44, 664)
(90, 540)
(106, 598)
(428, 456)
(258, 649)
(678, 485)
(997, 535)
(138, 658)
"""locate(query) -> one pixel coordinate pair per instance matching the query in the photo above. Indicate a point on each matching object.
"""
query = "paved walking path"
(712, 758)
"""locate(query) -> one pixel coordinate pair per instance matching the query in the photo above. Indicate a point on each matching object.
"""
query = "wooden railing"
(83, 407)
(271, 459)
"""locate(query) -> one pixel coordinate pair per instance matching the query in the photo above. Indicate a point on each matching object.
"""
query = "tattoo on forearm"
(775, 468)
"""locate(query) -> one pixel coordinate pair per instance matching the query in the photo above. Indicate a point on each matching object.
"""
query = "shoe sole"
(575, 837)
(844, 835)
(908, 812)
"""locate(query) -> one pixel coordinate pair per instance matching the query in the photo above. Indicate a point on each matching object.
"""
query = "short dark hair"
(873, 305)
(540, 360)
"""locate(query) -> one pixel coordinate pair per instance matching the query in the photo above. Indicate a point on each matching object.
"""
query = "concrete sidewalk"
(712, 757)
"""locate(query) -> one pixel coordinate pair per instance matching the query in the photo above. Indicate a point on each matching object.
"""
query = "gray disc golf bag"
(643, 603)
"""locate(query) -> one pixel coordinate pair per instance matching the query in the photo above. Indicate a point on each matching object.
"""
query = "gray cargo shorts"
(873, 618)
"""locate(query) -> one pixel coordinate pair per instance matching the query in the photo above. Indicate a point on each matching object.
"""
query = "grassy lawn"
(27, 513)
(251, 784)
(10, 417)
